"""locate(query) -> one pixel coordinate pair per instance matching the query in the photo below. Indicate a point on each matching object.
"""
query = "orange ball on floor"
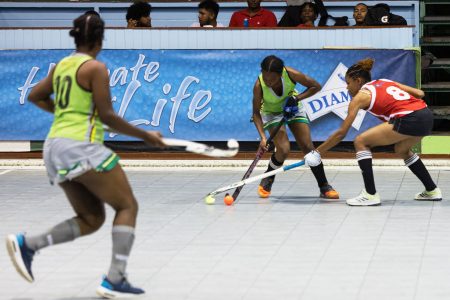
(228, 200)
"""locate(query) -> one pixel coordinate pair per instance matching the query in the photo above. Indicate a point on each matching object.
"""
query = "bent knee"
(359, 143)
(134, 207)
(130, 205)
(402, 152)
(93, 222)
(306, 148)
(283, 151)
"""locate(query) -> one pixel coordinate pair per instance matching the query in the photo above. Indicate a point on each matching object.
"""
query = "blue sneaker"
(123, 289)
(21, 255)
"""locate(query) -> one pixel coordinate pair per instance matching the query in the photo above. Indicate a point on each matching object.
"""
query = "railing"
(222, 38)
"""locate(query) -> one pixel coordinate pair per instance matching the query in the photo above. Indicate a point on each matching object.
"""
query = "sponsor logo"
(333, 98)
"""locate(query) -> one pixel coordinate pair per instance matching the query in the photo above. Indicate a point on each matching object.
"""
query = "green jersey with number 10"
(75, 115)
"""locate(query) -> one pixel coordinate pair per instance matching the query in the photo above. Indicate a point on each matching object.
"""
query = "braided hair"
(88, 30)
(272, 64)
(361, 70)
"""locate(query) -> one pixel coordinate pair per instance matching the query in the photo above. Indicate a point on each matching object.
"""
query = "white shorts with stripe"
(66, 159)
(273, 119)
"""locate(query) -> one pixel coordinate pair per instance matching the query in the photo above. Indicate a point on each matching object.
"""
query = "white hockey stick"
(203, 149)
(256, 178)
(198, 148)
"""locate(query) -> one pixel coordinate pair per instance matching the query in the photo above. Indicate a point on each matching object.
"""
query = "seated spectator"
(138, 15)
(253, 16)
(92, 12)
(208, 10)
(308, 14)
(296, 2)
(291, 18)
(359, 14)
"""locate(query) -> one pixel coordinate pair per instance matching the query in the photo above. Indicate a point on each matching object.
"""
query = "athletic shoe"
(21, 255)
(434, 195)
(265, 186)
(365, 199)
(327, 192)
(121, 290)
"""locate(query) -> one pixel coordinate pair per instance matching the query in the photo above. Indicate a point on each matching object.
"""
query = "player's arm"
(257, 119)
(312, 86)
(40, 94)
(412, 91)
(102, 98)
(361, 100)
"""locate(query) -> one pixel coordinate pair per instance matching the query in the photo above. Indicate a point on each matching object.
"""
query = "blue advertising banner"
(202, 95)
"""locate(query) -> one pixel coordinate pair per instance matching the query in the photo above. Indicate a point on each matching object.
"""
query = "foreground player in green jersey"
(77, 160)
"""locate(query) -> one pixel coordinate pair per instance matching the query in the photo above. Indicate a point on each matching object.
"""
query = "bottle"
(245, 22)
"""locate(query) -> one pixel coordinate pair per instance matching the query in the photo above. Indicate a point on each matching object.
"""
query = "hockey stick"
(259, 155)
(203, 149)
(256, 178)
(199, 148)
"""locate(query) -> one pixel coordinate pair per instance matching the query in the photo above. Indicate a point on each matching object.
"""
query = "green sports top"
(272, 103)
(75, 115)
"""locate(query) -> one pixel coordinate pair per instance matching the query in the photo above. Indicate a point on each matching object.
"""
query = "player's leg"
(416, 125)
(90, 215)
(302, 135)
(415, 164)
(282, 148)
(113, 188)
(380, 135)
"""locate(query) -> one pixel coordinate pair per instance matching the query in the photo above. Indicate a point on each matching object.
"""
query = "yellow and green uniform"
(273, 104)
(76, 116)
(77, 129)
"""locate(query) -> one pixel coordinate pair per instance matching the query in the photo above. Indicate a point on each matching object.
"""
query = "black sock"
(319, 173)
(415, 164)
(273, 165)
(365, 163)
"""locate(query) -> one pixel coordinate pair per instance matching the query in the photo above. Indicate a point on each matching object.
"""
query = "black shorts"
(418, 123)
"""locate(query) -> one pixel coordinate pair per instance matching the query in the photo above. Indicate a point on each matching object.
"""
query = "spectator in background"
(138, 15)
(291, 18)
(253, 16)
(296, 2)
(308, 14)
(92, 12)
(359, 13)
(208, 10)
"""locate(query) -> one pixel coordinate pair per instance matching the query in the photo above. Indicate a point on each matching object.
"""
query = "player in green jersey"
(77, 160)
(274, 85)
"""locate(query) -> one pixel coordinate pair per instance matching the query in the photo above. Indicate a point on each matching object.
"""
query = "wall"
(190, 38)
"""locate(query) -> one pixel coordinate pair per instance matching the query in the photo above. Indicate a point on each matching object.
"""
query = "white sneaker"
(364, 199)
(434, 195)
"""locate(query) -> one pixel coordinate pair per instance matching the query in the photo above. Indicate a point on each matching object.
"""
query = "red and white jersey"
(390, 101)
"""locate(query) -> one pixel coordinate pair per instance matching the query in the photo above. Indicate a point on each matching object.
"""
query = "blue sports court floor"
(290, 246)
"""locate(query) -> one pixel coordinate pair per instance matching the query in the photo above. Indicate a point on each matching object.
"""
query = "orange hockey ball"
(228, 200)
